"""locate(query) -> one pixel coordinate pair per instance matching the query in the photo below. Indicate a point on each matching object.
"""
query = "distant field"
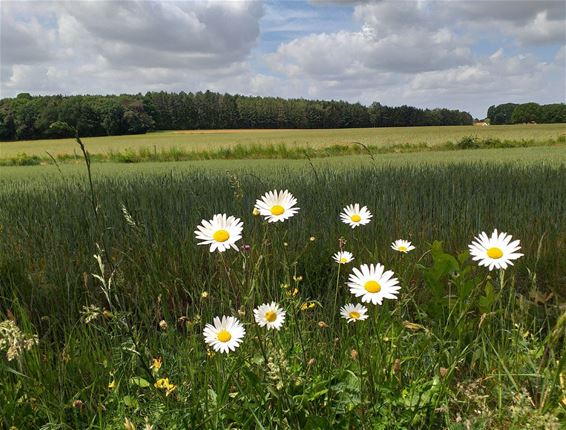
(215, 140)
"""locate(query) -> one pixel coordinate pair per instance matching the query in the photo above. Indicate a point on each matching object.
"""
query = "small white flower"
(354, 216)
(225, 335)
(354, 312)
(495, 252)
(269, 315)
(277, 205)
(343, 257)
(373, 284)
(403, 246)
(221, 232)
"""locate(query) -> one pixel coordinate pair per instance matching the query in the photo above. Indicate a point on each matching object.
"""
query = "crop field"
(106, 296)
(206, 144)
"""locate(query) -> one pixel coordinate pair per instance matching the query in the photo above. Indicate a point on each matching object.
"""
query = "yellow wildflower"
(164, 384)
(156, 364)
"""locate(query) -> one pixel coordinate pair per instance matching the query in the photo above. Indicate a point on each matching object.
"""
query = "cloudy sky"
(428, 53)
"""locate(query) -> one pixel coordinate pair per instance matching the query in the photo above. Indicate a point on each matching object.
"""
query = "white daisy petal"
(372, 284)
(343, 257)
(354, 216)
(220, 232)
(354, 312)
(495, 252)
(402, 246)
(269, 315)
(224, 334)
(277, 206)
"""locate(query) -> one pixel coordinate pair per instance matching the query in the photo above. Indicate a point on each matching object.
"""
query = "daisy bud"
(413, 326)
(396, 365)
(163, 325)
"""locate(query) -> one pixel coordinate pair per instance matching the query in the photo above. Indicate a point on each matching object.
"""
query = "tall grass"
(466, 348)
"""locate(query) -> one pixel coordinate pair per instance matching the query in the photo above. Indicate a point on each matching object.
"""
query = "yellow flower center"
(343, 260)
(403, 248)
(277, 210)
(356, 218)
(221, 236)
(494, 253)
(372, 287)
(354, 315)
(224, 336)
(270, 316)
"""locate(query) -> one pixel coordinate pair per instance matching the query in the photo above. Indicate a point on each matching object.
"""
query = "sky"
(458, 54)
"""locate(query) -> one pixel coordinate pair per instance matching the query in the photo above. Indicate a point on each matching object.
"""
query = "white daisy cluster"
(371, 283)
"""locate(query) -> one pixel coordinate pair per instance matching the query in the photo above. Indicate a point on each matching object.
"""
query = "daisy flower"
(221, 232)
(343, 257)
(495, 252)
(354, 312)
(354, 216)
(403, 246)
(225, 335)
(270, 316)
(373, 284)
(277, 205)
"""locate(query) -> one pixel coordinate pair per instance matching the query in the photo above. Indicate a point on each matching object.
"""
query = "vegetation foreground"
(108, 303)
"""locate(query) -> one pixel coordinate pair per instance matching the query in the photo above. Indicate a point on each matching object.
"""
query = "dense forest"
(512, 113)
(30, 117)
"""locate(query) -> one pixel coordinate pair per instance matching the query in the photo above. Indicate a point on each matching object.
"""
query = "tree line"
(513, 113)
(30, 117)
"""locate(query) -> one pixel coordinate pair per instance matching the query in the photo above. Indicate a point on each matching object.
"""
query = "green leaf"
(486, 302)
(140, 382)
(130, 402)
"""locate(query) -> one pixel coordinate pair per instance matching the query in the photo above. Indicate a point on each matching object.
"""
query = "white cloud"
(422, 53)
(125, 46)
(432, 53)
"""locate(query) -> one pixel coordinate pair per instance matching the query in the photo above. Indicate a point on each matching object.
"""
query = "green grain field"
(461, 348)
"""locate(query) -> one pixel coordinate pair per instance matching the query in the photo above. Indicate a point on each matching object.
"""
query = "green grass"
(548, 156)
(461, 345)
(294, 140)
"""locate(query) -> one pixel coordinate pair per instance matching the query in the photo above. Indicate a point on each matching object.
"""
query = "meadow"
(284, 144)
(112, 281)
